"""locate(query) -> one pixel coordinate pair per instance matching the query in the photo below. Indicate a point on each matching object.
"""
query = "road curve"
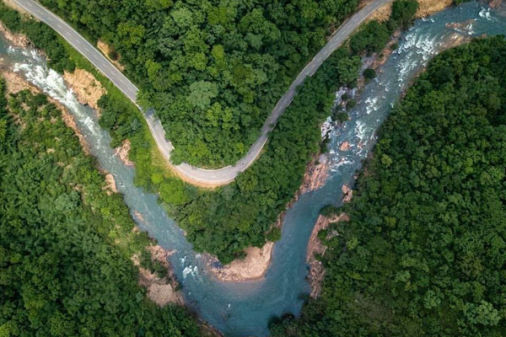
(189, 173)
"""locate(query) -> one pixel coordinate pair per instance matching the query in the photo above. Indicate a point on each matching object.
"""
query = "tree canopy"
(424, 251)
(65, 245)
(212, 70)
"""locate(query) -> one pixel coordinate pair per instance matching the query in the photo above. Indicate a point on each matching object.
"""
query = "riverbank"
(161, 290)
(425, 8)
(316, 249)
(250, 268)
(315, 246)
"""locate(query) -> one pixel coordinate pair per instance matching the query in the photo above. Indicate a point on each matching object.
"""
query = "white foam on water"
(326, 127)
(53, 84)
(189, 270)
(485, 13)
(371, 104)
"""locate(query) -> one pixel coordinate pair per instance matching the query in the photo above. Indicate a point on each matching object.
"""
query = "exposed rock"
(347, 193)
(160, 290)
(345, 146)
(86, 88)
(464, 26)
(316, 175)
(495, 3)
(123, 151)
(252, 267)
(316, 247)
(110, 186)
(160, 254)
(139, 216)
(18, 40)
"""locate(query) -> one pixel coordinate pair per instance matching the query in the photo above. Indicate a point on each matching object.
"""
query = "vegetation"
(65, 245)
(369, 74)
(424, 251)
(212, 70)
(44, 37)
(374, 35)
(226, 220)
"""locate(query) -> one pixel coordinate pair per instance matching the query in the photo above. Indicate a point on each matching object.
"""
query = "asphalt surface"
(205, 177)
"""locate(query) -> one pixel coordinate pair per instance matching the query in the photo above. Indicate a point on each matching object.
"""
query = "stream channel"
(244, 308)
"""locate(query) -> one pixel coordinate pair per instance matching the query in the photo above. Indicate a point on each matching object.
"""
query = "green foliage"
(153, 265)
(374, 35)
(274, 234)
(41, 35)
(212, 70)
(116, 117)
(369, 74)
(371, 38)
(340, 116)
(403, 12)
(329, 210)
(65, 245)
(227, 220)
(424, 251)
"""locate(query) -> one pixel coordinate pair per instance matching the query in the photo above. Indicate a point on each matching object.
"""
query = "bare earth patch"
(106, 49)
(86, 88)
(429, 7)
(13, 5)
(252, 267)
(425, 8)
(18, 40)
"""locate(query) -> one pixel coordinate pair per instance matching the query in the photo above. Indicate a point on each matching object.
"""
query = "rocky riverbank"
(161, 290)
(316, 248)
(86, 88)
(17, 40)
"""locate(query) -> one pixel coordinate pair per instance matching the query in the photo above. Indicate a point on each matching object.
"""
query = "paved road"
(187, 172)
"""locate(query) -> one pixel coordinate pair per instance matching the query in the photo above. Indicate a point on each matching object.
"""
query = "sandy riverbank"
(425, 8)
(87, 89)
(17, 40)
(252, 267)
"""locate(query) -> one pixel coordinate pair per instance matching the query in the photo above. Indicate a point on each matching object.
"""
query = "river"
(244, 309)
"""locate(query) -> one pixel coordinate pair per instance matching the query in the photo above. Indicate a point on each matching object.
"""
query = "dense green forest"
(424, 251)
(228, 219)
(213, 70)
(65, 245)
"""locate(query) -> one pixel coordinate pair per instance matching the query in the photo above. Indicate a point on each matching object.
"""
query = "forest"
(226, 220)
(65, 245)
(424, 251)
(212, 70)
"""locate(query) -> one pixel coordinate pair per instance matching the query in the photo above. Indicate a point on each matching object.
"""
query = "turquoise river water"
(244, 309)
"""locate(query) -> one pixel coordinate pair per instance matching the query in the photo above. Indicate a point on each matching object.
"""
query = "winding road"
(189, 173)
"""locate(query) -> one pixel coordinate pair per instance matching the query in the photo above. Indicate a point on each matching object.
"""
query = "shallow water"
(243, 309)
